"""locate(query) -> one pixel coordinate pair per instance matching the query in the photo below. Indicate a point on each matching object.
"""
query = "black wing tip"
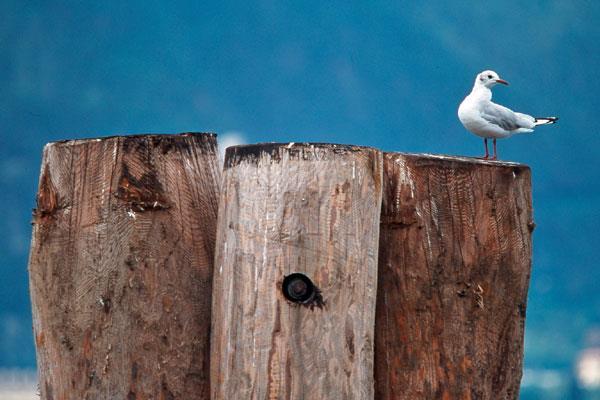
(546, 120)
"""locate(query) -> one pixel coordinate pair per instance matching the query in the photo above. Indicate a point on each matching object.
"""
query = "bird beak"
(502, 81)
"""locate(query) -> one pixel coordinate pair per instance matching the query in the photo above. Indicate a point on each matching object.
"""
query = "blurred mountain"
(385, 74)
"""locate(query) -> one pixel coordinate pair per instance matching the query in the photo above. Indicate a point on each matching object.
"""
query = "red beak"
(502, 81)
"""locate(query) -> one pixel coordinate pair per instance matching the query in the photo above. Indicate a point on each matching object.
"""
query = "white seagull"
(488, 120)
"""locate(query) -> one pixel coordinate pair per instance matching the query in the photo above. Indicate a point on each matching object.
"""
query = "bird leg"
(487, 154)
(495, 157)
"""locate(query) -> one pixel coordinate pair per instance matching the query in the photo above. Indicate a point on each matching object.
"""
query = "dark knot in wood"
(47, 198)
(143, 194)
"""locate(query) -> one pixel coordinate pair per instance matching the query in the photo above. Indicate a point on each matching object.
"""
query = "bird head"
(489, 79)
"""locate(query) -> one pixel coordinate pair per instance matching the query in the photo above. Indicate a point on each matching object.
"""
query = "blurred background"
(387, 74)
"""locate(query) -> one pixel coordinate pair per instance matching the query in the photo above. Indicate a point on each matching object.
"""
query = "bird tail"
(545, 121)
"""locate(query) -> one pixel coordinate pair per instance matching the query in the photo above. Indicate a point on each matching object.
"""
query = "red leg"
(495, 153)
(487, 154)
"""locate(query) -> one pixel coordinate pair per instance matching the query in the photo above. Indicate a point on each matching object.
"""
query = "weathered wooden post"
(121, 267)
(295, 272)
(454, 266)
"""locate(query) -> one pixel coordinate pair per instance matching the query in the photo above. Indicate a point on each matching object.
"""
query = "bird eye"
(489, 77)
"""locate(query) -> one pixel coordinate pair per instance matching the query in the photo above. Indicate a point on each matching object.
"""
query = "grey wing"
(499, 115)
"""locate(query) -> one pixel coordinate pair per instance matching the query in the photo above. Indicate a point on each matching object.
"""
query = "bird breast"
(469, 116)
(467, 111)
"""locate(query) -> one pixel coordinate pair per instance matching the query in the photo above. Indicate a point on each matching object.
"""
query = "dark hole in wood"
(298, 288)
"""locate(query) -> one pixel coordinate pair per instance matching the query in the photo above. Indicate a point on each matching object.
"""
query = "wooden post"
(121, 267)
(285, 209)
(454, 266)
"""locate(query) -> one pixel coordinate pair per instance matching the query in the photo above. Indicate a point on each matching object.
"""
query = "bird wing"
(501, 116)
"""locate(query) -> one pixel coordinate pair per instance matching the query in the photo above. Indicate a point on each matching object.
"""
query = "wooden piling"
(454, 267)
(121, 267)
(295, 272)
(340, 273)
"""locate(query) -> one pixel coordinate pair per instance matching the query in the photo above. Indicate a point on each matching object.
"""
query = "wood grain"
(121, 267)
(454, 267)
(297, 208)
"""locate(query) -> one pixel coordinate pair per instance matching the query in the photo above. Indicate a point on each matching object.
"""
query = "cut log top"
(305, 151)
(209, 138)
(319, 151)
(426, 157)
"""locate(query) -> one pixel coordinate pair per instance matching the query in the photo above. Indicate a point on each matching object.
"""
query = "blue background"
(379, 73)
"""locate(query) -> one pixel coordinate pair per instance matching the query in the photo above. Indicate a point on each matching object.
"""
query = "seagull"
(489, 120)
